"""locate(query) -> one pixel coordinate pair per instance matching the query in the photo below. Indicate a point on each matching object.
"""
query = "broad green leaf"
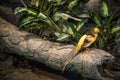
(116, 29)
(62, 36)
(57, 34)
(36, 25)
(80, 24)
(42, 16)
(38, 20)
(96, 18)
(105, 8)
(32, 12)
(26, 22)
(64, 16)
(70, 28)
(20, 9)
(24, 9)
(25, 19)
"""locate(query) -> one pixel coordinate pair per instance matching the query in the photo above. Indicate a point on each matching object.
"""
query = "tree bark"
(51, 54)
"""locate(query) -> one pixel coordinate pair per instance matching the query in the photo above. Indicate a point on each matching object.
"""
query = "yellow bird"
(84, 42)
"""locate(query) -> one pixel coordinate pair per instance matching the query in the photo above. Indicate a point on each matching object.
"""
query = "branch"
(49, 53)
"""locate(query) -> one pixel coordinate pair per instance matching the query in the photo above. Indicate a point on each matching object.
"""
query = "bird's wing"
(75, 51)
(89, 40)
(79, 45)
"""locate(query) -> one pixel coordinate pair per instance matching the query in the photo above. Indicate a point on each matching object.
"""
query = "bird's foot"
(87, 50)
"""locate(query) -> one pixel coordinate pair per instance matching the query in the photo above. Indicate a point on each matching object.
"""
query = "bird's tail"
(75, 51)
(70, 58)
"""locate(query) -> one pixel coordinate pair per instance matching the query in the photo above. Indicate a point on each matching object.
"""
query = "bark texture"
(49, 53)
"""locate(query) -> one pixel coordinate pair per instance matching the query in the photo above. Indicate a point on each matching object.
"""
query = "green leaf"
(116, 29)
(105, 8)
(96, 18)
(80, 24)
(24, 9)
(42, 16)
(62, 36)
(59, 15)
(25, 19)
(20, 9)
(70, 27)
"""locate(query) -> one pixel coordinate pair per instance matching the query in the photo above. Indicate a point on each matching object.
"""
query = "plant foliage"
(70, 32)
(109, 24)
(58, 15)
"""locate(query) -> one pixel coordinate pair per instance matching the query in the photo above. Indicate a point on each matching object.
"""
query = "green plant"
(36, 16)
(53, 14)
(109, 24)
(70, 32)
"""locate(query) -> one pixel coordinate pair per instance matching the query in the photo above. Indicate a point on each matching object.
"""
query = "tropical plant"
(36, 15)
(70, 33)
(54, 14)
(109, 23)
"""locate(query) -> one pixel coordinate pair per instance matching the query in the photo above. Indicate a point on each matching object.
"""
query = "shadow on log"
(51, 54)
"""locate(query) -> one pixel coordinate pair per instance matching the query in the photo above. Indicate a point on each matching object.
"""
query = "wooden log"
(51, 54)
